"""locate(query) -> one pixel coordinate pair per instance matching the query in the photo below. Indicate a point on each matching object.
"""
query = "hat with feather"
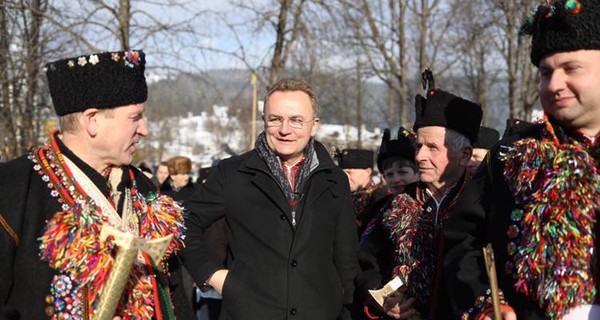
(443, 109)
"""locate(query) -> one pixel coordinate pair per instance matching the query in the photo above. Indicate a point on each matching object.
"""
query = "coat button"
(293, 311)
(294, 263)
(282, 217)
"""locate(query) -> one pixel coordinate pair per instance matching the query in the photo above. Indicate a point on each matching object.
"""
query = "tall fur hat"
(443, 109)
(404, 147)
(486, 138)
(354, 158)
(562, 26)
(100, 80)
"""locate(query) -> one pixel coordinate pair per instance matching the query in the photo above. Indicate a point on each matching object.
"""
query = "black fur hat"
(486, 138)
(354, 158)
(444, 109)
(100, 80)
(562, 26)
(404, 146)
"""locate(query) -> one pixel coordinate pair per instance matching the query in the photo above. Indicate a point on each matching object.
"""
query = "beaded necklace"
(71, 245)
(556, 187)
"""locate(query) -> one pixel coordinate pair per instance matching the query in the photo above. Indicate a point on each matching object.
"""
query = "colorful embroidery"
(556, 189)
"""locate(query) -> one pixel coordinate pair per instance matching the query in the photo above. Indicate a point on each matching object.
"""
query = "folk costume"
(536, 201)
(54, 205)
(376, 253)
(292, 254)
(416, 218)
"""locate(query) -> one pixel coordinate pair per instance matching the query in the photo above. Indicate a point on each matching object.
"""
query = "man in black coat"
(446, 126)
(292, 236)
(537, 197)
(57, 200)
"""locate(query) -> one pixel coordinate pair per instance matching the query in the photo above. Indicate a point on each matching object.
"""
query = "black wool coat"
(276, 270)
(25, 206)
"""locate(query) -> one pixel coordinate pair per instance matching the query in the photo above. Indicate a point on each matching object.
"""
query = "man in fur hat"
(446, 126)
(537, 199)
(58, 200)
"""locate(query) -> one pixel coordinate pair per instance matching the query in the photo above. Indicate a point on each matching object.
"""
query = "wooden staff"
(490, 266)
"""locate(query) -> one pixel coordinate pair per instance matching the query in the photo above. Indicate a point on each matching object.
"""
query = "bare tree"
(515, 49)
(21, 45)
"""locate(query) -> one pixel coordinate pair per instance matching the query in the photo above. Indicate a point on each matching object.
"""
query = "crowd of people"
(288, 230)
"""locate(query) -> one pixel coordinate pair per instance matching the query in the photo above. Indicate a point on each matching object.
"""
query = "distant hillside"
(192, 94)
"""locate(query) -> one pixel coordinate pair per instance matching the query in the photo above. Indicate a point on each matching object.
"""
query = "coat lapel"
(263, 180)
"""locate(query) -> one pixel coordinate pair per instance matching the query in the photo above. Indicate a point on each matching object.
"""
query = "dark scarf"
(274, 164)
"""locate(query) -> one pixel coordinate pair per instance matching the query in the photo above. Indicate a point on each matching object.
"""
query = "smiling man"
(293, 243)
(537, 197)
(446, 126)
(57, 199)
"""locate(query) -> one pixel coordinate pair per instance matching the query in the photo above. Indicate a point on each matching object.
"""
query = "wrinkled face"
(569, 89)
(437, 164)
(398, 176)
(358, 178)
(476, 159)
(285, 107)
(118, 133)
(180, 180)
(162, 173)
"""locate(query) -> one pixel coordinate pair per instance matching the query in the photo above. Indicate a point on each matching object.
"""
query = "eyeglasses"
(296, 123)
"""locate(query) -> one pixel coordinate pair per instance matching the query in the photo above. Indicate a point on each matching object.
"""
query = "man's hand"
(218, 279)
(398, 307)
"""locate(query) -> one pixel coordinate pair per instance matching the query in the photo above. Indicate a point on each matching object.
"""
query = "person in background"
(395, 160)
(537, 198)
(486, 139)
(178, 184)
(376, 254)
(366, 194)
(57, 200)
(446, 127)
(292, 236)
(161, 174)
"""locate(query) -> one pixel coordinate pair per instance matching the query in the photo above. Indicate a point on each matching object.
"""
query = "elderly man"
(58, 200)
(537, 201)
(446, 126)
(292, 243)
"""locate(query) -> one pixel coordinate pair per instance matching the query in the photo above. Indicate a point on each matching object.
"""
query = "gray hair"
(456, 141)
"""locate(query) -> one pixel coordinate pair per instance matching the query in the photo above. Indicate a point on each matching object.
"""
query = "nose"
(555, 82)
(420, 155)
(143, 128)
(285, 128)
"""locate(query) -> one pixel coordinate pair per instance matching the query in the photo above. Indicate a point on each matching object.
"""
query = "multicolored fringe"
(361, 198)
(412, 231)
(556, 187)
(71, 245)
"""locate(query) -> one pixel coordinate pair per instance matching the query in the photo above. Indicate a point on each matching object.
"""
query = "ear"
(89, 120)
(465, 155)
(315, 127)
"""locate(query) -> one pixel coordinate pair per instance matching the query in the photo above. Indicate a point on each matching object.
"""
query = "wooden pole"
(490, 265)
